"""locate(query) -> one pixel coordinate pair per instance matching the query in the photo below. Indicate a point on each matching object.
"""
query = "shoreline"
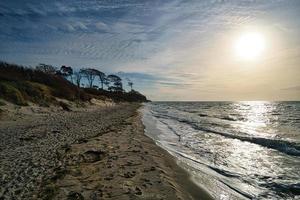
(181, 175)
(105, 154)
(205, 184)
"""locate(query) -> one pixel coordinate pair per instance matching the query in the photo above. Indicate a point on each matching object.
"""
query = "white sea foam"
(233, 153)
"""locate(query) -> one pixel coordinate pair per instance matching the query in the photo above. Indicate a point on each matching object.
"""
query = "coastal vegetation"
(45, 84)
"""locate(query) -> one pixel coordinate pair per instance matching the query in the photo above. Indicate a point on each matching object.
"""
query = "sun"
(250, 46)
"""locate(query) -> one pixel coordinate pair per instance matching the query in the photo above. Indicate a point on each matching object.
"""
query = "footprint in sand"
(92, 156)
(74, 196)
(129, 174)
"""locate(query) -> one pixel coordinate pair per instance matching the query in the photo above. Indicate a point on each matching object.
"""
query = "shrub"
(64, 106)
(2, 103)
(38, 86)
(10, 93)
(19, 84)
(38, 93)
(117, 96)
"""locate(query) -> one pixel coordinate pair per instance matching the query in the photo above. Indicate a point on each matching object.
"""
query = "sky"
(171, 49)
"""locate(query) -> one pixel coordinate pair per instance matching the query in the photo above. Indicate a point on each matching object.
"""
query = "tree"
(78, 77)
(102, 78)
(117, 83)
(90, 75)
(66, 72)
(48, 69)
(106, 82)
(130, 83)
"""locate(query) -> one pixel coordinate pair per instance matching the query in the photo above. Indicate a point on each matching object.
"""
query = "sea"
(233, 150)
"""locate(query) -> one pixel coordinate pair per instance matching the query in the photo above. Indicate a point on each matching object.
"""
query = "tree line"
(111, 82)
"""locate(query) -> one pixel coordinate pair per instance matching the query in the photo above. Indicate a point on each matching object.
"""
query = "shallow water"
(235, 150)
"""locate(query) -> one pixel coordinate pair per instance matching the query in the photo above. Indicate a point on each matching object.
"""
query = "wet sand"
(94, 154)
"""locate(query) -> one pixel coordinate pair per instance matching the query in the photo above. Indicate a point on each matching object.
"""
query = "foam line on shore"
(183, 177)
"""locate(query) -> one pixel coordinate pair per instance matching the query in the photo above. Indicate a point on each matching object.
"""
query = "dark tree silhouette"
(67, 72)
(48, 69)
(130, 83)
(102, 78)
(90, 75)
(78, 77)
(21, 84)
(106, 82)
(116, 81)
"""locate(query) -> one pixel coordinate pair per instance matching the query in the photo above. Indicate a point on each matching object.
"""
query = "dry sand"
(99, 153)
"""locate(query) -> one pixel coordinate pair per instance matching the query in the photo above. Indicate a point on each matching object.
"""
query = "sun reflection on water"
(256, 117)
(243, 144)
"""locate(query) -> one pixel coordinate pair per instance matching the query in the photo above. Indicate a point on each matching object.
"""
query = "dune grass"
(11, 93)
(21, 85)
(2, 103)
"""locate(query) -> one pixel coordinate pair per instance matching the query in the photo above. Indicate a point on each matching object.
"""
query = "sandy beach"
(99, 153)
(157, 100)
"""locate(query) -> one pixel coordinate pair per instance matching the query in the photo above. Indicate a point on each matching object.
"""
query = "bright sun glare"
(250, 46)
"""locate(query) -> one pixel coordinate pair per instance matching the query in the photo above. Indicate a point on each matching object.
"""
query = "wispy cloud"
(171, 43)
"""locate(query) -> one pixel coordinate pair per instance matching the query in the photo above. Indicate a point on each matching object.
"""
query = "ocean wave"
(281, 188)
(221, 172)
(229, 118)
(224, 172)
(207, 138)
(173, 130)
(287, 147)
(283, 146)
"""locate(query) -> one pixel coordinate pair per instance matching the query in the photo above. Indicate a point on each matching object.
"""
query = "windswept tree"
(90, 74)
(106, 82)
(48, 69)
(102, 78)
(116, 81)
(130, 83)
(67, 72)
(78, 77)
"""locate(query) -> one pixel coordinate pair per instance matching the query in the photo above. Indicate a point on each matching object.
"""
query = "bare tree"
(90, 75)
(48, 69)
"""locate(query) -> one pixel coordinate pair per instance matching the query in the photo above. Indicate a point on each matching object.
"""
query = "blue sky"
(171, 49)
